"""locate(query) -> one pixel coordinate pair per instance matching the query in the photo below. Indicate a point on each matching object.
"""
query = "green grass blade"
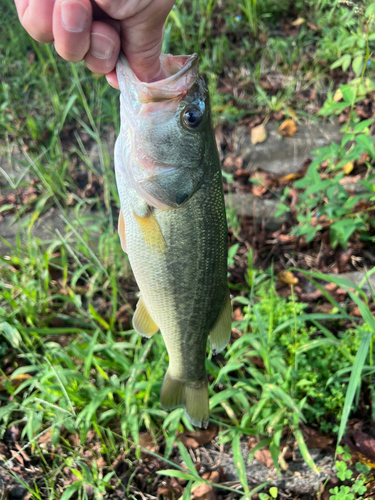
(175, 473)
(304, 450)
(186, 458)
(354, 381)
(240, 465)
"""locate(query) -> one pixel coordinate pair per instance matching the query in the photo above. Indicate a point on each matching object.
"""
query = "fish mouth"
(182, 71)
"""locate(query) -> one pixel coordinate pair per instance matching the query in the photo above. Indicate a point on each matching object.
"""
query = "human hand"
(95, 32)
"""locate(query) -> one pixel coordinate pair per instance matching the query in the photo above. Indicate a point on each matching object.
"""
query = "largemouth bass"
(172, 223)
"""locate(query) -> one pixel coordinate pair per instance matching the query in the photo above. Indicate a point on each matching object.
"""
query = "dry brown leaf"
(198, 438)
(370, 493)
(264, 456)
(259, 190)
(316, 439)
(4, 453)
(288, 278)
(213, 476)
(313, 27)
(288, 128)
(15, 381)
(101, 463)
(348, 167)
(312, 296)
(46, 437)
(146, 440)
(337, 96)
(204, 492)
(298, 21)
(258, 134)
(237, 314)
(290, 177)
(74, 439)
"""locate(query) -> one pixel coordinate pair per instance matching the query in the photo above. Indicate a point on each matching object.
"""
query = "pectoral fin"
(151, 232)
(220, 332)
(121, 231)
(142, 321)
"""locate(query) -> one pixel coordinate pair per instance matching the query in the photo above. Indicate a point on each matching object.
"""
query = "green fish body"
(173, 224)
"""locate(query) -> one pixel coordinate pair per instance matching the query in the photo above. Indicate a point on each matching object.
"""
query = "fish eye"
(192, 117)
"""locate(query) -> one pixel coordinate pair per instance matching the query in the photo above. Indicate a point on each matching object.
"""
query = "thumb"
(141, 39)
(141, 45)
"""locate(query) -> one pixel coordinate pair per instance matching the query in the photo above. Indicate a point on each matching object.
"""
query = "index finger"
(36, 17)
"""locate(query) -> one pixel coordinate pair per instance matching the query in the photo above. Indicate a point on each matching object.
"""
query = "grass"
(72, 365)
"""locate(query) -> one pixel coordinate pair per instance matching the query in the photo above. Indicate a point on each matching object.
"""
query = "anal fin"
(121, 231)
(220, 332)
(142, 321)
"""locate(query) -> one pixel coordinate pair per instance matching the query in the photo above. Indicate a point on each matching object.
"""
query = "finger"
(142, 24)
(71, 28)
(112, 79)
(104, 48)
(123, 9)
(142, 47)
(36, 18)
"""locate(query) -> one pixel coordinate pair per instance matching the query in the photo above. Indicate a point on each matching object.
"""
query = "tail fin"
(193, 395)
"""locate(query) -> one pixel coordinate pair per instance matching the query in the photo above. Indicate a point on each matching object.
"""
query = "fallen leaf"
(323, 308)
(370, 493)
(258, 134)
(298, 21)
(146, 440)
(15, 381)
(204, 492)
(237, 314)
(25, 456)
(198, 438)
(348, 167)
(74, 440)
(170, 491)
(288, 278)
(264, 456)
(313, 27)
(312, 296)
(291, 177)
(4, 453)
(101, 463)
(46, 437)
(288, 128)
(331, 287)
(337, 96)
(213, 476)
(259, 190)
(363, 444)
(316, 439)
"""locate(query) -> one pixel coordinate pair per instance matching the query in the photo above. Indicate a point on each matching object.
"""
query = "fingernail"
(102, 46)
(74, 16)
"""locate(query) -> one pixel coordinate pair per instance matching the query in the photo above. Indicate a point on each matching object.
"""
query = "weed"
(357, 488)
(325, 199)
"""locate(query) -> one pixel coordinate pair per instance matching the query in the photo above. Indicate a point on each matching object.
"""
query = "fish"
(172, 223)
